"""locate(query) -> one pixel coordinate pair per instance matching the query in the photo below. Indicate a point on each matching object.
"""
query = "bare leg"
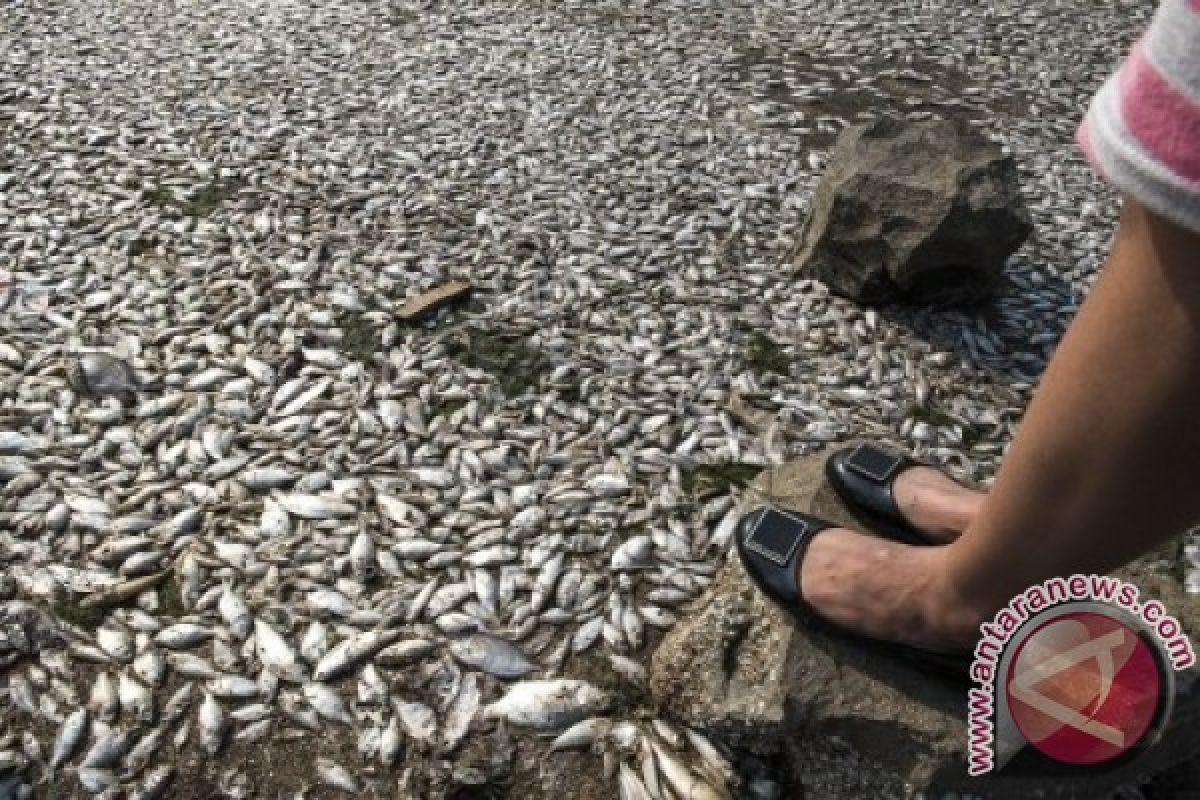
(1103, 468)
(1105, 464)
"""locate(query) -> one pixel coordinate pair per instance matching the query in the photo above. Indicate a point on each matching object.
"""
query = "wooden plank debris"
(414, 308)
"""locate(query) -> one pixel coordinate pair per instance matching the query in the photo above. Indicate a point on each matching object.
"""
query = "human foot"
(885, 590)
(903, 498)
(935, 504)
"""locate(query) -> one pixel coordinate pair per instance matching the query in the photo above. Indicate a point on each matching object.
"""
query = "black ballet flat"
(772, 542)
(863, 477)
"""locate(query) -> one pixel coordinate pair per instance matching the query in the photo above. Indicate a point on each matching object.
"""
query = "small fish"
(362, 557)
(135, 698)
(550, 703)
(630, 786)
(213, 724)
(418, 720)
(582, 734)
(310, 506)
(492, 655)
(155, 785)
(139, 757)
(118, 644)
(236, 613)
(183, 636)
(122, 592)
(233, 687)
(151, 667)
(333, 774)
(461, 712)
(94, 780)
(104, 700)
(258, 480)
(634, 553)
(404, 653)
(391, 742)
(273, 651)
(353, 651)
(70, 735)
(254, 732)
(681, 780)
(607, 485)
(327, 702)
(107, 751)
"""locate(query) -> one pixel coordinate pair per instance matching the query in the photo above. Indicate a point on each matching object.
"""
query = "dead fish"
(333, 774)
(362, 557)
(95, 780)
(404, 653)
(155, 785)
(213, 724)
(311, 506)
(118, 644)
(418, 720)
(135, 698)
(72, 732)
(183, 636)
(139, 757)
(492, 655)
(236, 613)
(273, 651)
(550, 703)
(462, 711)
(353, 651)
(315, 642)
(630, 785)
(254, 732)
(233, 687)
(103, 699)
(634, 553)
(107, 751)
(682, 781)
(582, 734)
(84, 504)
(122, 592)
(274, 521)
(191, 666)
(263, 479)
(608, 485)
(328, 703)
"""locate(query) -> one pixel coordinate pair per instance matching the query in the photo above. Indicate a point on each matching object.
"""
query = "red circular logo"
(1083, 687)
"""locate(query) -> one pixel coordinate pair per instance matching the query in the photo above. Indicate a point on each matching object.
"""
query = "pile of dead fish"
(265, 588)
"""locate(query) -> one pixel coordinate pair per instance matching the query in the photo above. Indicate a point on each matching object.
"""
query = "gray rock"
(845, 721)
(100, 373)
(921, 211)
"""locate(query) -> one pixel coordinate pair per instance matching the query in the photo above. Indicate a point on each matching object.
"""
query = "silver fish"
(212, 724)
(348, 654)
(70, 735)
(492, 655)
(550, 703)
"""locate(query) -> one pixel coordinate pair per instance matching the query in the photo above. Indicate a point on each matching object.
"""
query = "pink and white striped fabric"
(1142, 131)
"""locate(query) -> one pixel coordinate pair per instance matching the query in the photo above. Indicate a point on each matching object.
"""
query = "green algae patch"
(170, 598)
(512, 361)
(358, 339)
(87, 618)
(719, 478)
(765, 355)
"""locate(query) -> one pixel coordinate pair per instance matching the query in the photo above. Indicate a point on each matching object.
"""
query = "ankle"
(952, 616)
